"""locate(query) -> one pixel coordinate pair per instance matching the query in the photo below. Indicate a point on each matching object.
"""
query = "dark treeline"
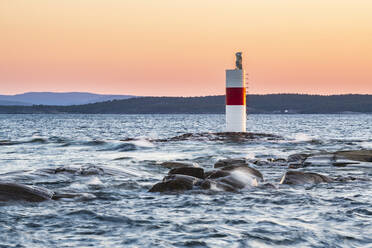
(273, 103)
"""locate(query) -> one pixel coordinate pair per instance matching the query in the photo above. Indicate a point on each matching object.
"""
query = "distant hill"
(7, 103)
(273, 103)
(57, 99)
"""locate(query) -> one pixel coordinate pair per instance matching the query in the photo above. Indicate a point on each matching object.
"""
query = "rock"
(175, 183)
(90, 170)
(261, 162)
(230, 178)
(277, 160)
(84, 170)
(299, 157)
(19, 192)
(343, 164)
(216, 174)
(267, 186)
(229, 161)
(189, 171)
(299, 177)
(295, 165)
(171, 165)
(339, 159)
(357, 155)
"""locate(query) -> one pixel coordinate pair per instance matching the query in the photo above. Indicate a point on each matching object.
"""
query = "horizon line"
(121, 94)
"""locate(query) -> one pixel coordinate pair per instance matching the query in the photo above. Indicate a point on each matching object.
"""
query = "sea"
(115, 209)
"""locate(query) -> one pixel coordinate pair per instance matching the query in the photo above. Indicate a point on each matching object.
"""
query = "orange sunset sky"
(182, 47)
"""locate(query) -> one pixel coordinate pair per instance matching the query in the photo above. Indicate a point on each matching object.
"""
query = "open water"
(116, 209)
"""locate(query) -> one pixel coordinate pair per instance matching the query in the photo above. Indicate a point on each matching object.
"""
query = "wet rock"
(299, 157)
(261, 162)
(84, 170)
(277, 160)
(295, 165)
(342, 164)
(91, 170)
(171, 165)
(267, 186)
(229, 161)
(189, 171)
(216, 174)
(175, 183)
(10, 191)
(19, 192)
(300, 177)
(229, 178)
(357, 155)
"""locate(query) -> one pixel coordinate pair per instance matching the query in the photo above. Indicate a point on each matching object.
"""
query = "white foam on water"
(302, 137)
(95, 181)
(214, 187)
(142, 143)
(79, 186)
(366, 145)
(244, 178)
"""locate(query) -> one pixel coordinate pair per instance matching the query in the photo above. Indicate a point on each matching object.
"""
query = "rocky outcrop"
(175, 182)
(188, 171)
(300, 177)
(228, 178)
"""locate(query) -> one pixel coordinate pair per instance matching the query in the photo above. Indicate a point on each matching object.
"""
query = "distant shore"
(256, 104)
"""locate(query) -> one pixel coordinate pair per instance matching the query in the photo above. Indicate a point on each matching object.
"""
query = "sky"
(182, 47)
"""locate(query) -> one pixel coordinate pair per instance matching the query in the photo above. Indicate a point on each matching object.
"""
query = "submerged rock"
(357, 155)
(300, 177)
(20, 192)
(229, 161)
(84, 170)
(171, 165)
(338, 159)
(298, 157)
(10, 191)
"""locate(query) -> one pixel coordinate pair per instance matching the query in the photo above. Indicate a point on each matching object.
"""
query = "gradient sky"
(182, 47)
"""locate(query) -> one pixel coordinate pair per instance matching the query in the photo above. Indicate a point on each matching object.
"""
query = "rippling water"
(117, 210)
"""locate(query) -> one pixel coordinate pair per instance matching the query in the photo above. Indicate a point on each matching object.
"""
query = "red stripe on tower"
(235, 96)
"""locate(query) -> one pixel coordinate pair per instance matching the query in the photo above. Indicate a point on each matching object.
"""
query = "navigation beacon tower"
(236, 116)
